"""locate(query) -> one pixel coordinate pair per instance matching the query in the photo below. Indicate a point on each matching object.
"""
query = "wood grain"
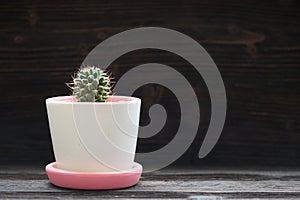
(176, 183)
(255, 44)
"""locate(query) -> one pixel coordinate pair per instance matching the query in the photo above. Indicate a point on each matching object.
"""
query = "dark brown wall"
(255, 44)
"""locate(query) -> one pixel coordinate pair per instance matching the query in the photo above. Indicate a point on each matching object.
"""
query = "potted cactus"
(94, 134)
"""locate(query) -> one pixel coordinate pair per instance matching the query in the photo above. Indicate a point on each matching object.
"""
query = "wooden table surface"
(171, 183)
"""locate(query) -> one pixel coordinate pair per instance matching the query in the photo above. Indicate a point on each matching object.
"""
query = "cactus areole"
(91, 84)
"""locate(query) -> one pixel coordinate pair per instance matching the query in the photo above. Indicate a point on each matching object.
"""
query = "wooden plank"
(181, 186)
(255, 45)
(165, 184)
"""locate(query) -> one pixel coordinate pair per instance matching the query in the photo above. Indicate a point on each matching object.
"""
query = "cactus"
(91, 84)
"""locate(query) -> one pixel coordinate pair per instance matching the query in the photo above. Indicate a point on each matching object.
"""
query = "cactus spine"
(91, 84)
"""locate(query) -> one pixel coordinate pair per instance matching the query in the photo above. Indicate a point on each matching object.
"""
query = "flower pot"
(94, 136)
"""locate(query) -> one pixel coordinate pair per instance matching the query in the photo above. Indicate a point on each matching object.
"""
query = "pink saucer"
(93, 180)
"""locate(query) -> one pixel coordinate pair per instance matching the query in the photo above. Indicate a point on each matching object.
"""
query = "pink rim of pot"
(110, 100)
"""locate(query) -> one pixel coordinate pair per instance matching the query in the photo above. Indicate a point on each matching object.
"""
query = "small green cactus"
(91, 84)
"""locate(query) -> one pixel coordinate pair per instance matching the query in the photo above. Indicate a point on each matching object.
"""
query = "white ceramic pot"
(94, 137)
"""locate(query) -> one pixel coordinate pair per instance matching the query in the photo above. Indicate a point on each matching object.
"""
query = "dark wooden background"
(255, 44)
